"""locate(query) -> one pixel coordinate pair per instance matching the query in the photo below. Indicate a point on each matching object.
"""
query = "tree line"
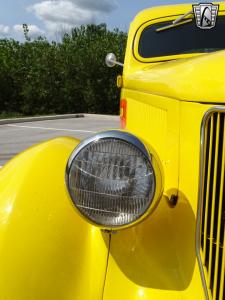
(42, 77)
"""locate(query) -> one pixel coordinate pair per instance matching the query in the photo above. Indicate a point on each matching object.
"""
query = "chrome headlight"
(111, 179)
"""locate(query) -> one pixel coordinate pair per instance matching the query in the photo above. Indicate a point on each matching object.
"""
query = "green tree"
(42, 77)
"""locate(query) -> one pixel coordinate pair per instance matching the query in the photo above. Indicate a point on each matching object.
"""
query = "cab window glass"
(186, 38)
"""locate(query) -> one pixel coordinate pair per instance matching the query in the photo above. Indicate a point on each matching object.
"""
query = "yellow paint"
(156, 258)
(181, 77)
(47, 251)
(145, 113)
(153, 260)
(166, 102)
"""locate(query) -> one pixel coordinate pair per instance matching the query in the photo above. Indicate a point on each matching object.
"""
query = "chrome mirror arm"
(111, 61)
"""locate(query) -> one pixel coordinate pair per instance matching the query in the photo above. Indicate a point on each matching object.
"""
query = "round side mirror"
(110, 60)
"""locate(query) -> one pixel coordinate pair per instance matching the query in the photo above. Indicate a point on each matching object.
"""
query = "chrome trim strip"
(207, 115)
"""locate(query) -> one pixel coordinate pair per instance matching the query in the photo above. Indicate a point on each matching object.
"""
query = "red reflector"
(123, 113)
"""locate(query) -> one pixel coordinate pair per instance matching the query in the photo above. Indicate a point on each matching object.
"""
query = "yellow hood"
(198, 79)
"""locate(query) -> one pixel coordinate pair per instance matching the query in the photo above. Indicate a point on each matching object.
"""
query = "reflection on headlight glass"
(111, 182)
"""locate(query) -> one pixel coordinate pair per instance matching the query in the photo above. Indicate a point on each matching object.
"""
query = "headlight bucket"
(113, 180)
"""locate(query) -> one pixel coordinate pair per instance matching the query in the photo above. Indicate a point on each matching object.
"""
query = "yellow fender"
(47, 251)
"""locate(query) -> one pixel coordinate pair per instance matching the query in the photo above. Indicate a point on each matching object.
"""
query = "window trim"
(143, 26)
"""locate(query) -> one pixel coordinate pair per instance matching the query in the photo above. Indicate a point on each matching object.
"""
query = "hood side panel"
(195, 79)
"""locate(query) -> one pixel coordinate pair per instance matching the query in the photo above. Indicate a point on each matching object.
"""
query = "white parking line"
(49, 128)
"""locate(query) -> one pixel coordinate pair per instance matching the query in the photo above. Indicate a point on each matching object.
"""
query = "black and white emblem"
(205, 15)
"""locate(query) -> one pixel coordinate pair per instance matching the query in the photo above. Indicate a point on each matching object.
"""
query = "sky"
(52, 17)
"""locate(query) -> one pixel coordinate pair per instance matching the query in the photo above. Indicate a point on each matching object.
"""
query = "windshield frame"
(162, 20)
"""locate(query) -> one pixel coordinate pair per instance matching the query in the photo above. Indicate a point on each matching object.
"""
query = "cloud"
(4, 30)
(34, 31)
(105, 6)
(62, 15)
(17, 32)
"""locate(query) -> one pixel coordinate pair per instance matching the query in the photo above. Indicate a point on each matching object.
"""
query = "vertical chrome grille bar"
(210, 227)
(221, 293)
(213, 182)
(218, 261)
(209, 159)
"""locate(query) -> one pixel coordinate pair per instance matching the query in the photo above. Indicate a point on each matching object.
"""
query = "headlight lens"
(111, 179)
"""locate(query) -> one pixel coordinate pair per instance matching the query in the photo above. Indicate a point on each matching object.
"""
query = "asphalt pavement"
(17, 137)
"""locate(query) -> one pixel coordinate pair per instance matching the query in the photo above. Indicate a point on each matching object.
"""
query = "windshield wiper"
(190, 12)
(177, 22)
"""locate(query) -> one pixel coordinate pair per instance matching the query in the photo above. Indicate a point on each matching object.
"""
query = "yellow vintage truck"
(135, 213)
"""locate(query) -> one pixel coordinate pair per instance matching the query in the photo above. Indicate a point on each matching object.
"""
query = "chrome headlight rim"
(125, 137)
(121, 135)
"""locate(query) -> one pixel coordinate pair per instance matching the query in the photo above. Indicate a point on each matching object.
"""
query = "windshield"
(186, 38)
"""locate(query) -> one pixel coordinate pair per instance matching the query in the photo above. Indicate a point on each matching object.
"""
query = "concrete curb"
(102, 116)
(41, 118)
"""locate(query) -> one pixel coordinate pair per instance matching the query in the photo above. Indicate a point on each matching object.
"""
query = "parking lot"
(17, 137)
